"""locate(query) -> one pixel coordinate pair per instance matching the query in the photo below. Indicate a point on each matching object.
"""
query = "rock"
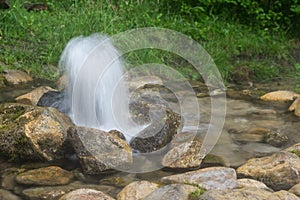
(6, 195)
(280, 95)
(118, 181)
(295, 189)
(173, 191)
(211, 178)
(295, 149)
(251, 183)
(62, 82)
(54, 99)
(295, 107)
(279, 171)
(34, 96)
(55, 192)
(8, 177)
(259, 149)
(236, 194)
(142, 81)
(211, 160)
(33, 133)
(51, 175)
(2, 81)
(253, 135)
(80, 194)
(276, 139)
(282, 194)
(186, 155)
(15, 77)
(161, 130)
(98, 150)
(36, 7)
(137, 190)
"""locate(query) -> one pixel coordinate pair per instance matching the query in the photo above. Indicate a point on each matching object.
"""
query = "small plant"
(196, 194)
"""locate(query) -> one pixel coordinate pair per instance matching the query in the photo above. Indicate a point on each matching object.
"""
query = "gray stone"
(52, 175)
(80, 194)
(246, 182)
(173, 191)
(98, 150)
(137, 190)
(295, 107)
(279, 171)
(32, 133)
(211, 178)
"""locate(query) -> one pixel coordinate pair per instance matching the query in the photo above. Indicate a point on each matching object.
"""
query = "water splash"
(96, 93)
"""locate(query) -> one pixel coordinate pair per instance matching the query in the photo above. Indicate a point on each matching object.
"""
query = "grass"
(33, 41)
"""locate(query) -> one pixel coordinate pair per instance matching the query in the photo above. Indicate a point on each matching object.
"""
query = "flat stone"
(173, 191)
(211, 178)
(137, 190)
(55, 192)
(52, 175)
(281, 95)
(282, 194)
(15, 77)
(34, 96)
(80, 194)
(279, 171)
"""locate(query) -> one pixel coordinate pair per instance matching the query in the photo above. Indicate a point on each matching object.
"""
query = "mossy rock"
(2, 81)
(31, 133)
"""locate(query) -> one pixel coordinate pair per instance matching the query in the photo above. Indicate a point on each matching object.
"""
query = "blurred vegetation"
(248, 39)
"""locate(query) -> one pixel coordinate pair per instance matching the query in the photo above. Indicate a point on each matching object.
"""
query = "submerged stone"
(52, 175)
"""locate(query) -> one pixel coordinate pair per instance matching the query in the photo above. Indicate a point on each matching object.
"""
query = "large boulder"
(280, 95)
(279, 171)
(98, 150)
(33, 133)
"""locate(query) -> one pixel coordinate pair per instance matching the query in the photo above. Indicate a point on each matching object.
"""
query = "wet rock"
(54, 99)
(280, 95)
(295, 149)
(2, 81)
(186, 155)
(259, 149)
(137, 190)
(161, 130)
(52, 175)
(62, 82)
(118, 180)
(55, 192)
(253, 135)
(211, 160)
(295, 107)
(80, 194)
(295, 189)
(279, 171)
(32, 133)
(212, 178)
(98, 150)
(15, 77)
(8, 177)
(236, 194)
(6, 195)
(142, 81)
(251, 183)
(276, 139)
(34, 96)
(173, 191)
